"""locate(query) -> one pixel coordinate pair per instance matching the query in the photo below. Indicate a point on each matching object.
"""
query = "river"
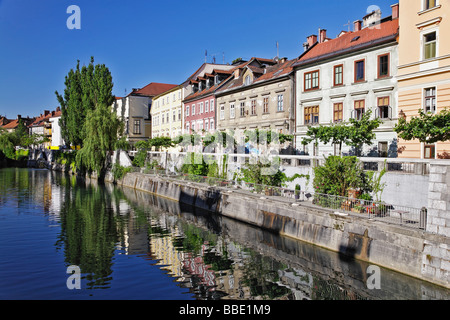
(128, 244)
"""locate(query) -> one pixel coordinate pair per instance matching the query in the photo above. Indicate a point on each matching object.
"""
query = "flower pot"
(353, 193)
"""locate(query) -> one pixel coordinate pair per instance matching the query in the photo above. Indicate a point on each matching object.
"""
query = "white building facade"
(339, 79)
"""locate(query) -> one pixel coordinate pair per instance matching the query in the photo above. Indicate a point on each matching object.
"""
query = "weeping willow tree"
(103, 130)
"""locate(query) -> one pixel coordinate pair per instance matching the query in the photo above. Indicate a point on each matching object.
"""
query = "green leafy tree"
(427, 127)
(355, 133)
(85, 88)
(102, 130)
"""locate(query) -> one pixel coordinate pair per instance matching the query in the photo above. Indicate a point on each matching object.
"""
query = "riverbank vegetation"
(87, 119)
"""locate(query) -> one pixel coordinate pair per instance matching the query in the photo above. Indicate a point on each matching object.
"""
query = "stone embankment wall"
(408, 251)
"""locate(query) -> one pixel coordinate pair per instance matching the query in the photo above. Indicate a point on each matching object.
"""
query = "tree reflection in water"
(89, 232)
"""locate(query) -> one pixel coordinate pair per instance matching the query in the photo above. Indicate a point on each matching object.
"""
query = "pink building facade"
(200, 115)
(200, 106)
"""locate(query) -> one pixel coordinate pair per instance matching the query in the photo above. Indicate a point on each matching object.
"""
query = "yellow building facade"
(424, 68)
(166, 113)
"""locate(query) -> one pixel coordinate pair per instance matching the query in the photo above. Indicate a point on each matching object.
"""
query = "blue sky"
(143, 41)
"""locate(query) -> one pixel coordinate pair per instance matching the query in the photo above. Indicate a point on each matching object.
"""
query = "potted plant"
(297, 192)
(358, 208)
(353, 193)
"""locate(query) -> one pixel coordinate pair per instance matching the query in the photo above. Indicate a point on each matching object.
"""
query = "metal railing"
(389, 213)
(406, 216)
(395, 165)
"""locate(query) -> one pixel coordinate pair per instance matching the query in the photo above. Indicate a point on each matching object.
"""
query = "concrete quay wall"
(409, 251)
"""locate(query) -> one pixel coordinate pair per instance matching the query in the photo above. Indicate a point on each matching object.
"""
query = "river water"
(128, 244)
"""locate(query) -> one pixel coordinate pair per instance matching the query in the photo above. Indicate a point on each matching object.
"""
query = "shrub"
(339, 174)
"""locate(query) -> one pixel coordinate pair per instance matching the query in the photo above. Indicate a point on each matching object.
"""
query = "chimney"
(311, 40)
(19, 117)
(46, 112)
(357, 25)
(395, 11)
(58, 109)
(322, 35)
(236, 73)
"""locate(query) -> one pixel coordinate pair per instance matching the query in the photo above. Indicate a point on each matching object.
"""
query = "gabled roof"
(214, 87)
(351, 41)
(273, 72)
(12, 124)
(152, 89)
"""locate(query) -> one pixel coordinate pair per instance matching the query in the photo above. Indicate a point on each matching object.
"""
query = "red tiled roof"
(277, 71)
(272, 72)
(153, 89)
(385, 31)
(56, 114)
(11, 125)
(213, 88)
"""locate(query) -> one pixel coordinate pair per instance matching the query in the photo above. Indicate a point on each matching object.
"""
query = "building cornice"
(423, 73)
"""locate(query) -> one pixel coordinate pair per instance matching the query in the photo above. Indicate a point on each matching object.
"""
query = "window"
(312, 80)
(280, 102)
(338, 75)
(248, 80)
(174, 116)
(206, 125)
(266, 105)
(206, 106)
(429, 45)
(179, 114)
(193, 109)
(222, 112)
(187, 111)
(193, 126)
(162, 118)
(167, 117)
(211, 124)
(384, 110)
(428, 4)
(429, 151)
(383, 66)
(338, 109)
(359, 109)
(201, 108)
(242, 109)
(253, 109)
(430, 100)
(312, 115)
(137, 127)
(232, 111)
(383, 149)
(359, 71)
(211, 105)
(187, 128)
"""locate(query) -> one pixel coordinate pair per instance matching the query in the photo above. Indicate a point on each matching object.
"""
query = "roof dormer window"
(248, 80)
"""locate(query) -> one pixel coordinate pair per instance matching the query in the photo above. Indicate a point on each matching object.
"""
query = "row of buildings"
(393, 66)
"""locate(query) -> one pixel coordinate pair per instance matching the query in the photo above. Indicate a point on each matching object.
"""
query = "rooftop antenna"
(277, 50)
(348, 24)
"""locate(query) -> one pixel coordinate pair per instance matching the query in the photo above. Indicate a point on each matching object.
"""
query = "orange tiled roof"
(272, 72)
(11, 125)
(347, 42)
(153, 89)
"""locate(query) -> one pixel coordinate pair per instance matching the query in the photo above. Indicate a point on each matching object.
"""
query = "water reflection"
(205, 255)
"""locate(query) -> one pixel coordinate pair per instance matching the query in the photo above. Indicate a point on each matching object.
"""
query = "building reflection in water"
(211, 256)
